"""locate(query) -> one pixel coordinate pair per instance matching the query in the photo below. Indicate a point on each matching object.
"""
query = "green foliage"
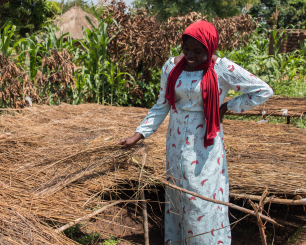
(75, 233)
(111, 241)
(84, 5)
(104, 75)
(27, 15)
(218, 8)
(175, 51)
(100, 79)
(285, 73)
(7, 33)
(54, 7)
(81, 234)
(290, 13)
(145, 93)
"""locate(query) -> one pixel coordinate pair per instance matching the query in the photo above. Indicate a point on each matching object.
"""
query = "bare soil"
(127, 224)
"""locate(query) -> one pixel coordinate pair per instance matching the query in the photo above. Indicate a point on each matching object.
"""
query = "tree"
(27, 15)
(54, 7)
(289, 13)
(84, 5)
(217, 8)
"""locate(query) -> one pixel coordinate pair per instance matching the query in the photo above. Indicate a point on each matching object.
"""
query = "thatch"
(72, 21)
(59, 161)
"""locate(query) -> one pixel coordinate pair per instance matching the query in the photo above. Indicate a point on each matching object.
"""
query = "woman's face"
(194, 52)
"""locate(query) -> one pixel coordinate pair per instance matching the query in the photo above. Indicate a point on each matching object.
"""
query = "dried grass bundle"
(59, 161)
(20, 227)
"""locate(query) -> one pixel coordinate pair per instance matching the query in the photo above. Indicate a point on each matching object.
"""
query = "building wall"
(291, 43)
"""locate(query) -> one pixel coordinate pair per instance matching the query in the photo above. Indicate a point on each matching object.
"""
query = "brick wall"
(291, 43)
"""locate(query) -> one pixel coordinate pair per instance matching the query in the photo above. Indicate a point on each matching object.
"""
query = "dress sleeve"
(159, 111)
(255, 91)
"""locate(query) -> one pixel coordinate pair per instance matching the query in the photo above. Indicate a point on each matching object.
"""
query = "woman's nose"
(190, 55)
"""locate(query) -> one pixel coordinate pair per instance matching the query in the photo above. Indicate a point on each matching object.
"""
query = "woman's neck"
(190, 68)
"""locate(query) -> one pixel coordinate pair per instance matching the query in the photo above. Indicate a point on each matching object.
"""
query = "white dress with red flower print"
(191, 166)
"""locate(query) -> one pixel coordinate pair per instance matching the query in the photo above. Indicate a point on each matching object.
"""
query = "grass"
(295, 237)
(82, 235)
(111, 241)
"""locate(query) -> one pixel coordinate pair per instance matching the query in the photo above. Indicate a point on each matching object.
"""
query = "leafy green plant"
(175, 51)
(94, 54)
(7, 34)
(285, 73)
(49, 40)
(111, 241)
(75, 233)
(113, 76)
(148, 90)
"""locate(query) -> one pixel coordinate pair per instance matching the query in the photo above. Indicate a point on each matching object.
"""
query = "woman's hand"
(222, 111)
(128, 142)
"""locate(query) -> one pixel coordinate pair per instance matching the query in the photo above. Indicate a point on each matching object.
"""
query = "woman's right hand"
(128, 142)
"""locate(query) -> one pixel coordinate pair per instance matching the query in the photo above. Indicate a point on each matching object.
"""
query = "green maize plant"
(49, 41)
(285, 73)
(7, 34)
(115, 82)
(93, 55)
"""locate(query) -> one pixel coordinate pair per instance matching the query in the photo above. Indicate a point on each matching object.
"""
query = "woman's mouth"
(192, 63)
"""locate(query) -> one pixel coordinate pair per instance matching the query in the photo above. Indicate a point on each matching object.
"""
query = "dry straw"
(57, 162)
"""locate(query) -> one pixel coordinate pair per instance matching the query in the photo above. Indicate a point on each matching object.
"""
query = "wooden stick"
(88, 216)
(72, 223)
(145, 219)
(259, 223)
(269, 199)
(219, 202)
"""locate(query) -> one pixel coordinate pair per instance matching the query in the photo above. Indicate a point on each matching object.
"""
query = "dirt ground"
(128, 224)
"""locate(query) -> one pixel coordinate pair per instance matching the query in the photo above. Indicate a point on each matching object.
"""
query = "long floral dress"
(189, 164)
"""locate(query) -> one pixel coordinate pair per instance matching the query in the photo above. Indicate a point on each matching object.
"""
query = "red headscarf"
(207, 34)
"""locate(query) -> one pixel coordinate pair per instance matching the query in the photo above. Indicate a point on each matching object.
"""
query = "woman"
(192, 87)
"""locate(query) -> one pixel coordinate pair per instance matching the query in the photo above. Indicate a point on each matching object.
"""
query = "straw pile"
(20, 227)
(58, 162)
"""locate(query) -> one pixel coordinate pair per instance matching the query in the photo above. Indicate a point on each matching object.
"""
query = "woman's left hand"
(222, 111)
